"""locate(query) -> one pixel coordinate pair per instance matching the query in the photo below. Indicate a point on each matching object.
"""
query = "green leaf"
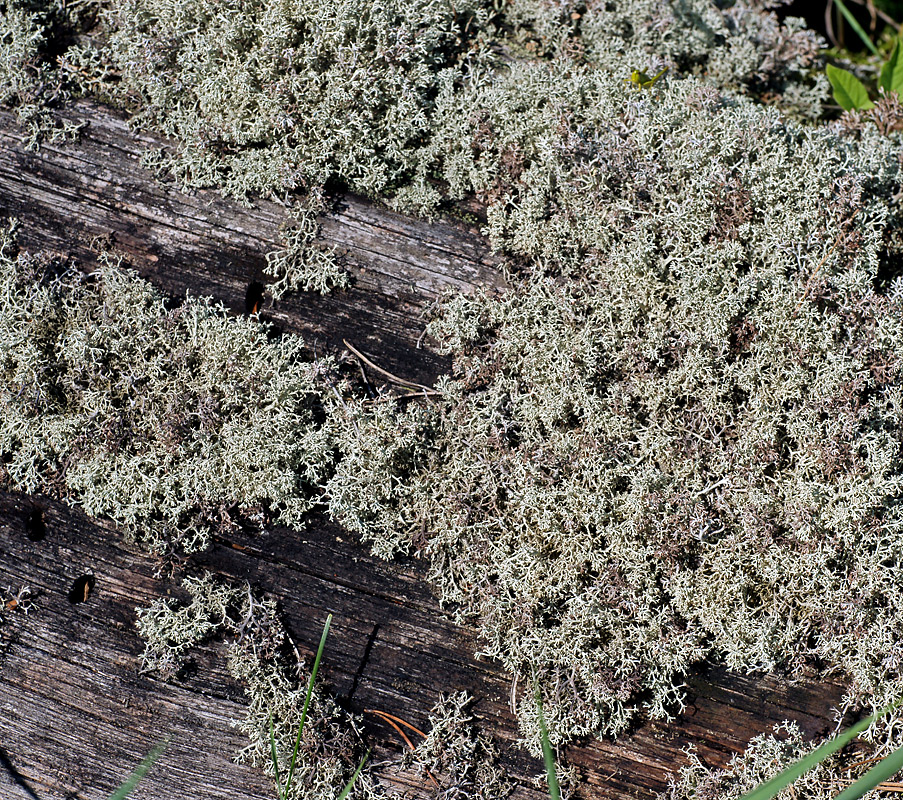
(854, 24)
(770, 789)
(891, 79)
(848, 89)
(884, 769)
(354, 777)
(140, 771)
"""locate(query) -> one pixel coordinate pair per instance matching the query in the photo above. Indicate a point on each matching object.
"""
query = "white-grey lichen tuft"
(771, 753)
(462, 761)
(177, 423)
(677, 436)
(301, 264)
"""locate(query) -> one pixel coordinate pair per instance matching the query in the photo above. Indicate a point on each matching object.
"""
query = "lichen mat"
(675, 437)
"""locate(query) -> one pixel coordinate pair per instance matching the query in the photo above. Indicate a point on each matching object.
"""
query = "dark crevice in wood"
(365, 658)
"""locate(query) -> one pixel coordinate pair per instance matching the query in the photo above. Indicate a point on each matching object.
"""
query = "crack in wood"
(365, 659)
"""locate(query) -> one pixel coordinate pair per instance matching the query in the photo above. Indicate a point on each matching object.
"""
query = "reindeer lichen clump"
(175, 422)
(677, 435)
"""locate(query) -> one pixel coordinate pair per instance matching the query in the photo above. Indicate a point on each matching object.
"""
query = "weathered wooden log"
(76, 199)
(76, 713)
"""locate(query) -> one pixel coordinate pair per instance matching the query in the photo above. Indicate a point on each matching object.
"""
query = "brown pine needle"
(863, 763)
(401, 733)
(399, 720)
(392, 720)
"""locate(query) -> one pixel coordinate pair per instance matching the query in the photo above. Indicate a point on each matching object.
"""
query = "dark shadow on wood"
(16, 776)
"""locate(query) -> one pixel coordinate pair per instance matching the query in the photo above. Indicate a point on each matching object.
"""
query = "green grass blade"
(275, 759)
(769, 789)
(140, 771)
(884, 769)
(854, 24)
(357, 773)
(547, 754)
(310, 691)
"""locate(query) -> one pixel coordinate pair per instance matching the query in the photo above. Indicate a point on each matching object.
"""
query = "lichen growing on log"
(331, 745)
(172, 419)
(676, 437)
(678, 434)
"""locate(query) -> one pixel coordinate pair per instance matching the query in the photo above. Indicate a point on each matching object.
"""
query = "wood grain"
(74, 199)
(76, 713)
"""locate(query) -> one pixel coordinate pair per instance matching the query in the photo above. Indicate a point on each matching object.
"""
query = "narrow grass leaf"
(848, 89)
(769, 789)
(891, 79)
(884, 769)
(854, 24)
(140, 771)
(357, 773)
(310, 691)
(547, 754)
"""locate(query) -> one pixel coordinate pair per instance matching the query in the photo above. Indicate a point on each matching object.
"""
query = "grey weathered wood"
(75, 199)
(75, 712)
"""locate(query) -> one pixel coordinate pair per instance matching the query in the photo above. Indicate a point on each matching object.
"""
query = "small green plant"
(850, 93)
(881, 771)
(282, 792)
(140, 771)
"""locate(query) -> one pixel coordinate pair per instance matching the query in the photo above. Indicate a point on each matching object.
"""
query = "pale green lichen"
(676, 436)
(739, 46)
(266, 96)
(30, 82)
(463, 761)
(177, 423)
